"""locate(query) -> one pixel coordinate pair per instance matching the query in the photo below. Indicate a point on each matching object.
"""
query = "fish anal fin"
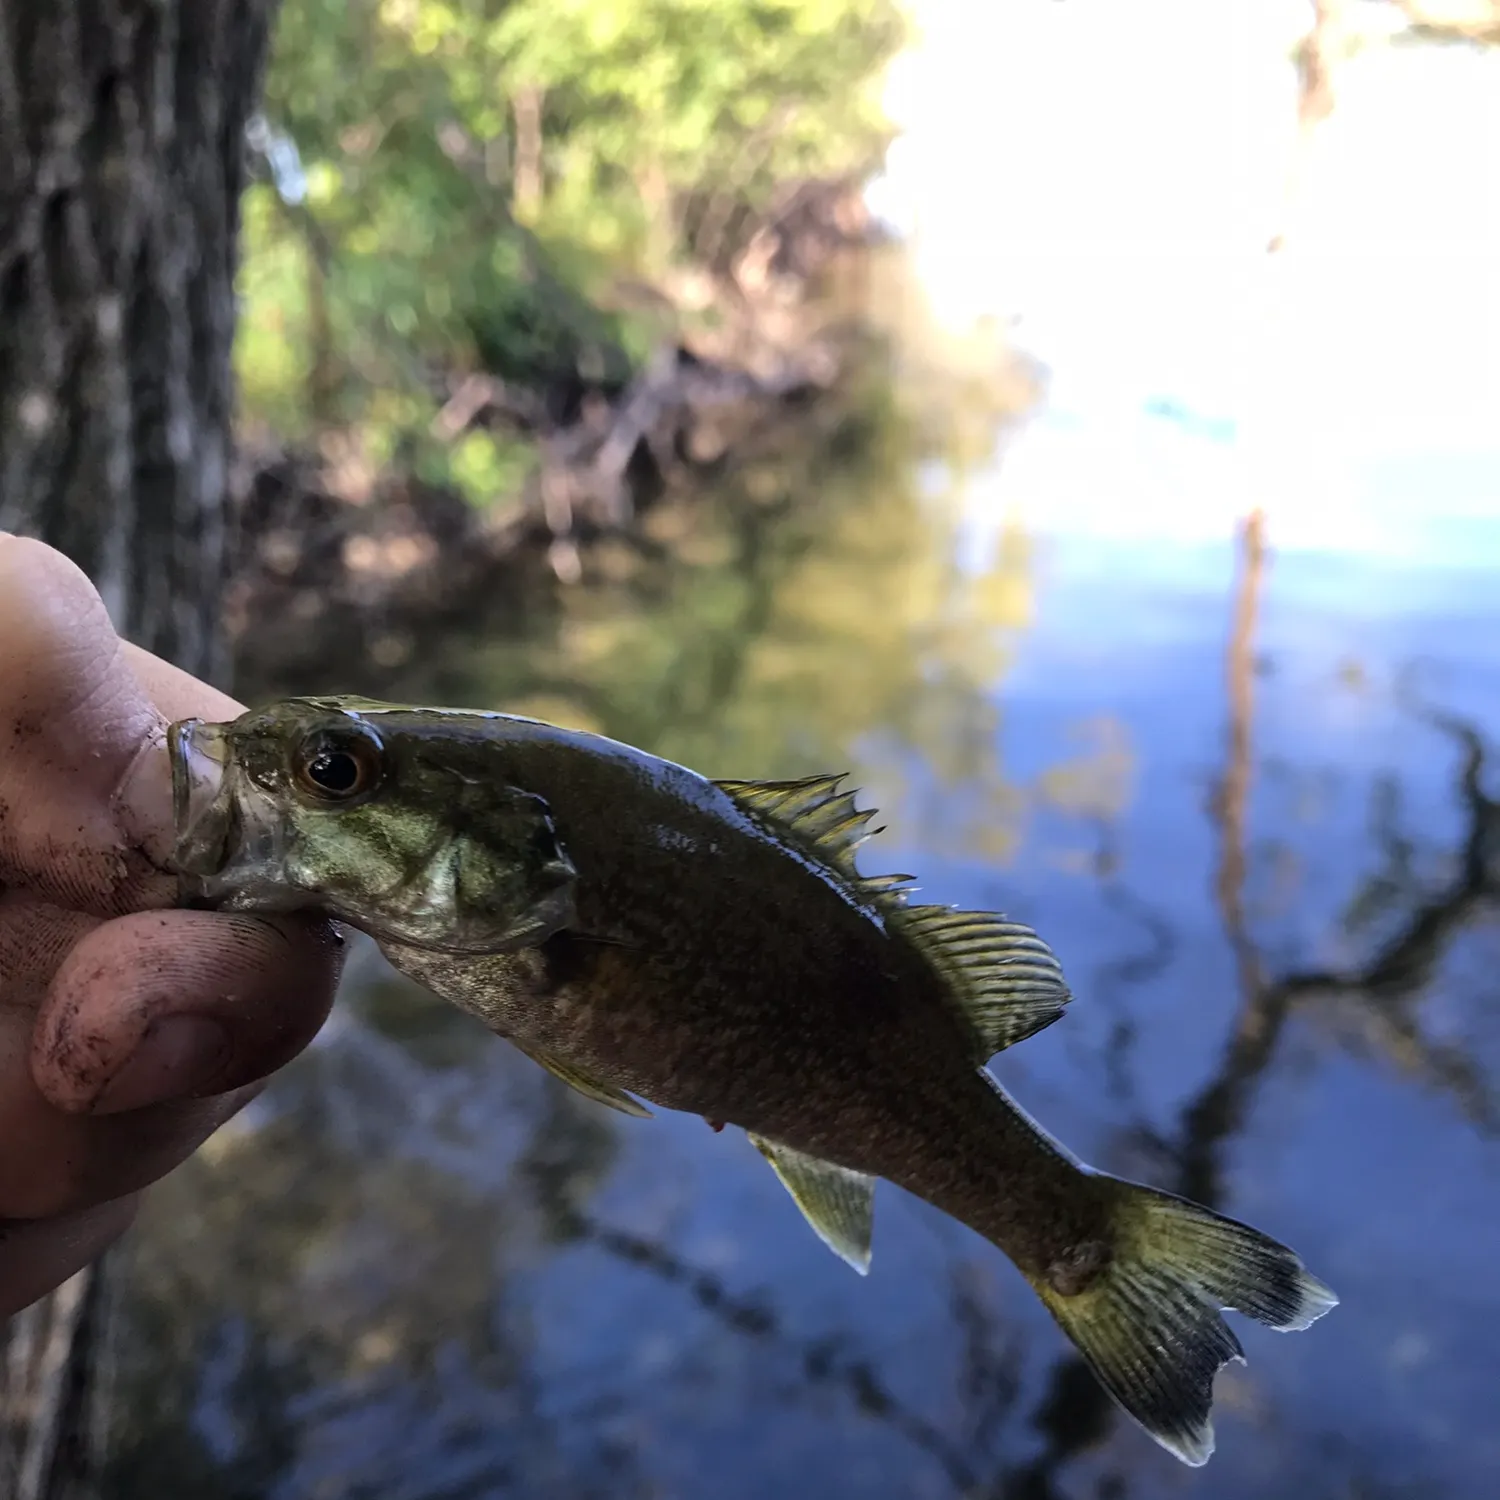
(584, 1083)
(1002, 976)
(837, 1202)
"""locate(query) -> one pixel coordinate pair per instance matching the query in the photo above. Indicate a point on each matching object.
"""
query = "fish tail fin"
(1149, 1323)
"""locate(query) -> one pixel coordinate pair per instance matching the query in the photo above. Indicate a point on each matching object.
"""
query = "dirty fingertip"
(179, 1057)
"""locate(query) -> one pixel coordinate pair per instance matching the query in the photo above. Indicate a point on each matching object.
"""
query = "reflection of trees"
(332, 1298)
(326, 1303)
(1338, 31)
(804, 605)
(836, 1363)
(1388, 989)
(1390, 986)
(320, 1302)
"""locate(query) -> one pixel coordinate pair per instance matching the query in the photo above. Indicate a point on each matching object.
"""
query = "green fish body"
(711, 947)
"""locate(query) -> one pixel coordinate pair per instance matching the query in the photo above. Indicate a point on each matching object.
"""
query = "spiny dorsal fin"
(837, 1202)
(1004, 978)
(821, 820)
(588, 1086)
(886, 891)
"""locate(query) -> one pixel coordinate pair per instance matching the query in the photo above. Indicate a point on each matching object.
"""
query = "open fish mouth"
(236, 850)
(230, 849)
(200, 755)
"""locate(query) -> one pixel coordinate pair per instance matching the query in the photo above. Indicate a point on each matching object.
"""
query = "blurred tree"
(678, 112)
(1337, 31)
(121, 166)
(388, 1227)
(806, 611)
(1478, 20)
(120, 138)
(460, 185)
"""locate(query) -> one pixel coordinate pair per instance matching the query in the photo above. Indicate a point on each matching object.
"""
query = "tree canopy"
(456, 185)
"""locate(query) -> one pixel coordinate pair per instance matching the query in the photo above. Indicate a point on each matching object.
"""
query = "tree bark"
(122, 161)
(121, 166)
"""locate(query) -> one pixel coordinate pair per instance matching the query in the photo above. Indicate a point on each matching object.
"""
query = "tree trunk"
(527, 189)
(121, 167)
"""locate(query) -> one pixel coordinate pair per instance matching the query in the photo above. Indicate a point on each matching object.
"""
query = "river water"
(1247, 799)
(1238, 771)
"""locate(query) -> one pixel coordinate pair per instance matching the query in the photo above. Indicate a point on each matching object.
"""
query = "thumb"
(170, 1005)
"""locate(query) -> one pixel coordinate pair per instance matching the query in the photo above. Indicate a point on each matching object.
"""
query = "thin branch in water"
(820, 1359)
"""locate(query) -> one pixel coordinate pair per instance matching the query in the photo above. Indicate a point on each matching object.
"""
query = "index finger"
(178, 694)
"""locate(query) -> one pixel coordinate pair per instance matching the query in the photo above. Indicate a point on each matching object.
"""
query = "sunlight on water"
(1108, 177)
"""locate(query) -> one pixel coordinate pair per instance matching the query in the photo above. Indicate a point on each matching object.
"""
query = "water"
(1249, 804)
(419, 1268)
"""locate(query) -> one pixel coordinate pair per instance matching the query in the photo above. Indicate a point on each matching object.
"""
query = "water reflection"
(420, 1268)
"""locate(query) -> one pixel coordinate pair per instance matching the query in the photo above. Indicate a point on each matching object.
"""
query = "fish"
(655, 938)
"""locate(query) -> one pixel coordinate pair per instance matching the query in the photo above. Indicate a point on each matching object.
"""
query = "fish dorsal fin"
(821, 821)
(837, 1202)
(1003, 977)
(589, 1087)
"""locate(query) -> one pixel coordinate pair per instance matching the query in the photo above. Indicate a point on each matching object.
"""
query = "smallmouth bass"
(711, 947)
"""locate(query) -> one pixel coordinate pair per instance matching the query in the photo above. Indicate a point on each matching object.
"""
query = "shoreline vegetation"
(525, 270)
(334, 544)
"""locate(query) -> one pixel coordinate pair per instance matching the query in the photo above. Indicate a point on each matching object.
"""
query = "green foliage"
(651, 103)
(486, 465)
(805, 613)
(428, 130)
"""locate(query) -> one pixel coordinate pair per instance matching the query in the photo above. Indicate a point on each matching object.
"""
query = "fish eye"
(338, 765)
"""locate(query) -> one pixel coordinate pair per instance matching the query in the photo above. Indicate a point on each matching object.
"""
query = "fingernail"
(178, 1056)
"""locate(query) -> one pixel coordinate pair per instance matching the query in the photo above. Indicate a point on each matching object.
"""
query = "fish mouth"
(202, 816)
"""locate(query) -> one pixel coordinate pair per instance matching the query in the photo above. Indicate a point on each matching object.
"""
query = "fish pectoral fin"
(837, 1202)
(1003, 977)
(589, 1087)
(602, 939)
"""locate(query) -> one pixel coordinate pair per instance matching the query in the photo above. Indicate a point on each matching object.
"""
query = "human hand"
(129, 1032)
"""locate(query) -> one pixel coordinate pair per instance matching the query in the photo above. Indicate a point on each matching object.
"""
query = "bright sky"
(1108, 175)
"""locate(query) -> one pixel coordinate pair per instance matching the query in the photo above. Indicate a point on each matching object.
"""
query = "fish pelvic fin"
(1148, 1323)
(1004, 979)
(836, 1201)
(584, 1083)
